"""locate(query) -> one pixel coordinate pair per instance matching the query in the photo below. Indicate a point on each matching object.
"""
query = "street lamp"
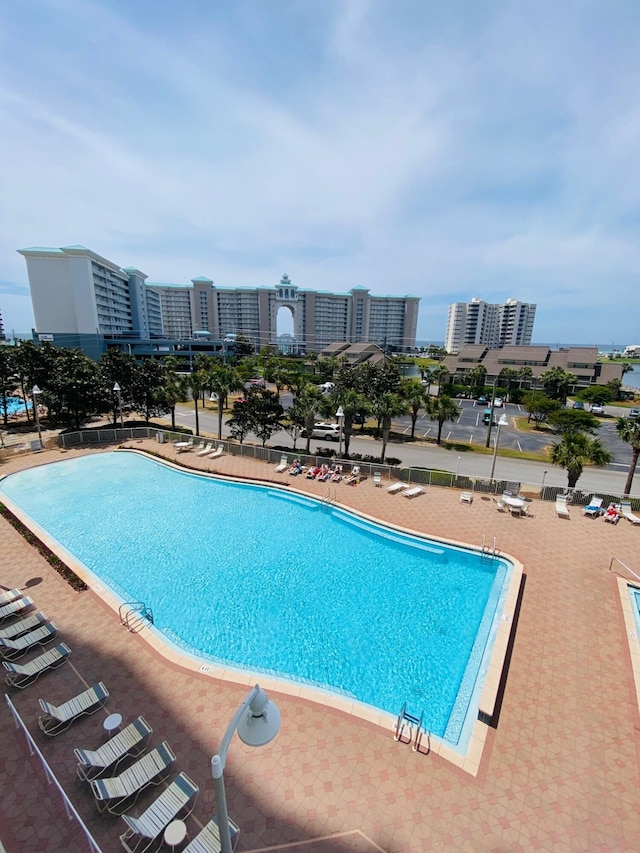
(544, 477)
(502, 422)
(34, 391)
(340, 417)
(118, 391)
(257, 722)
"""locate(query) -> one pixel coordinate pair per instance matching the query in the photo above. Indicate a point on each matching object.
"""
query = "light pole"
(502, 422)
(493, 405)
(118, 391)
(257, 722)
(34, 392)
(340, 417)
(544, 477)
(457, 466)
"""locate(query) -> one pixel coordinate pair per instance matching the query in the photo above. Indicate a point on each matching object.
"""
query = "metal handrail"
(33, 747)
(637, 577)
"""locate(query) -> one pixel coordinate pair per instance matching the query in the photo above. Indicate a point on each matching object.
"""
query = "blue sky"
(444, 149)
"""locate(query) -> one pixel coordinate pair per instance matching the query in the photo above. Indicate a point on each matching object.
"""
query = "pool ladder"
(414, 727)
(329, 498)
(489, 552)
(134, 615)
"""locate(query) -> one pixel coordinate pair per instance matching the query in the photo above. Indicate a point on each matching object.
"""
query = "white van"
(327, 387)
(330, 432)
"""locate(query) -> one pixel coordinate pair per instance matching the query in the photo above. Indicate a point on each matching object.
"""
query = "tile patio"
(560, 769)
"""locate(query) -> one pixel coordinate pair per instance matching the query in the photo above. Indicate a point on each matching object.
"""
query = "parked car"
(634, 413)
(482, 400)
(578, 404)
(257, 383)
(497, 403)
(331, 432)
(358, 419)
(597, 409)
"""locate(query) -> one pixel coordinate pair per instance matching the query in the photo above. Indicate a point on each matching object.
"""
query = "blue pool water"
(15, 405)
(278, 583)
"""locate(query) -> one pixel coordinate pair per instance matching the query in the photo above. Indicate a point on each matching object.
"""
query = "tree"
(117, 366)
(352, 403)
(73, 390)
(146, 393)
(240, 421)
(442, 409)
(173, 386)
(539, 406)
(615, 386)
(572, 421)
(575, 451)
(508, 375)
(33, 366)
(7, 380)
(243, 346)
(198, 382)
(629, 430)
(414, 393)
(387, 407)
(304, 409)
(525, 374)
(265, 412)
(222, 380)
(476, 377)
(598, 395)
(557, 382)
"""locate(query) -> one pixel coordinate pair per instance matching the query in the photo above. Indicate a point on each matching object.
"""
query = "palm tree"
(557, 382)
(508, 375)
(525, 373)
(198, 381)
(305, 406)
(575, 451)
(352, 403)
(442, 409)
(629, 431)
(173, 387)
(414, 393)
(387, 407)
(222, 379)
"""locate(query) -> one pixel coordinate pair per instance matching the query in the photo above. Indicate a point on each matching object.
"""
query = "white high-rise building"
(478, 322)
(76, 292)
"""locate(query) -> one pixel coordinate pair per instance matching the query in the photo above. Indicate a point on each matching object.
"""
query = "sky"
(448, 149)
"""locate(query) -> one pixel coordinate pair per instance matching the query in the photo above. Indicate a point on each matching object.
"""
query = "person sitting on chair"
(612, 514)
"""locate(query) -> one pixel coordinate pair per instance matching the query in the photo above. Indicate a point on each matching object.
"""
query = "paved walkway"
(560, 771)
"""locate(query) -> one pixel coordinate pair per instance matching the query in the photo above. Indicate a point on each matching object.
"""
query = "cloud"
(407, 147)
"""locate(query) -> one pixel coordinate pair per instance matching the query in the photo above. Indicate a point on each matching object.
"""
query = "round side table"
(175, 833)
(112, 723)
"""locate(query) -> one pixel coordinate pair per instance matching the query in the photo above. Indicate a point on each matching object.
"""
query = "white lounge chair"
(466, 497)
(219, 451)
(562, 506)
(9, 595)
(594, 507)
(20, 675)
(23, 625)
(397, 487)
(206, 449)
(414, 492)
(183, 446)
(116, 794)
(282, 466)
(13, 649)
(625, 509)
(208, 839)
(58, 718)
(131, 741)
(178, 799)
(20, 605)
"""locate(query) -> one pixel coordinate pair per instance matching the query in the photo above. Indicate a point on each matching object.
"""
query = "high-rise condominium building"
(478, 322)
(2, 335)
(75, 291)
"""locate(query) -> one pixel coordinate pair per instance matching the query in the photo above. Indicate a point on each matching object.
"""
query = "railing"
(134, 615)
(413, 476)
(33, 748)
(617, 559)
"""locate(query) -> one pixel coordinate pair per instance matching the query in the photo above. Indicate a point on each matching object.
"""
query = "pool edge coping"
(469, 761)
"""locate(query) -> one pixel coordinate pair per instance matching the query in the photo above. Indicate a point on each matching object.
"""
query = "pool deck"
(560, 769)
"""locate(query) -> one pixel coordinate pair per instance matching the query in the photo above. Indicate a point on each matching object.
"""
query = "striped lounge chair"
(9, 595)
(23, 625)
(178, 799)
(130, 741)
(13, 649)
(20, 675)
(15, 608)
(116, 794)
(57, 719)
(208, 839)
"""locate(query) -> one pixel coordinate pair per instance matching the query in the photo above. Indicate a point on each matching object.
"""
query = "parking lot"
(469, 429)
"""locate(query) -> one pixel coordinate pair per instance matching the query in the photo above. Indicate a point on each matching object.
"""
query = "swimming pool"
(276, 582)
(15, 405)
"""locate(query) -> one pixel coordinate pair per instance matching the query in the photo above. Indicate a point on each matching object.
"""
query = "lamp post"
(544, 477)
(257, 722)
(340, 417)
(502, 422)
(457, 466)
(118, 391)
(493, 405)
(34, 392)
